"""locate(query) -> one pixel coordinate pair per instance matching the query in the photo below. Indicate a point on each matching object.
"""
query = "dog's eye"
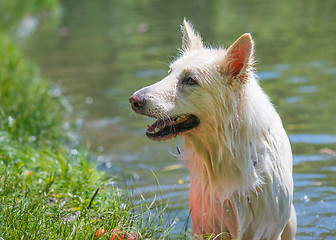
(190, 81)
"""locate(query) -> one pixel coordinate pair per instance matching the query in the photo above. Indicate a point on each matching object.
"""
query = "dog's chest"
(211, 215)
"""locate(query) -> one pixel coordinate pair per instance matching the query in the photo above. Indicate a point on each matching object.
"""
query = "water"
(100, 52)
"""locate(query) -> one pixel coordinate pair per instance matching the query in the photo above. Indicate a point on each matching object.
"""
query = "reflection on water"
(102, 51)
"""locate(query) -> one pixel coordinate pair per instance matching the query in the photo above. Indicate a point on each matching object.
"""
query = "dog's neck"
(225, 154)
(218, 168)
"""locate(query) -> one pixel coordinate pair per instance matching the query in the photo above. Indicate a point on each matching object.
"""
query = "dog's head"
(199, 86)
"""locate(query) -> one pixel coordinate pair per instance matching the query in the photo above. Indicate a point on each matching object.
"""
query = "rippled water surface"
(102, 51)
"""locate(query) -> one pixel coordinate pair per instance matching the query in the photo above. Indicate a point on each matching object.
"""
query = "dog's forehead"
(197, 59)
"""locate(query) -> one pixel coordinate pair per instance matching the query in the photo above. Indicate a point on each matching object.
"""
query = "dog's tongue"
(159, 124)
(162, 123)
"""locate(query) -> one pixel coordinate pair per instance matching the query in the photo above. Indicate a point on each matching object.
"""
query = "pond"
(100, 52)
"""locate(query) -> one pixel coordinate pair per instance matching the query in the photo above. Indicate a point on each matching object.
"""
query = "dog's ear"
(239, 57)
(191, 40)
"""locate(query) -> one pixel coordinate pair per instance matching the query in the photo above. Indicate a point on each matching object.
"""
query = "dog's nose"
(137, 101)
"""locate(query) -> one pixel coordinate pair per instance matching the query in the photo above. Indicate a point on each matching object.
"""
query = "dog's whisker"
(172, 128)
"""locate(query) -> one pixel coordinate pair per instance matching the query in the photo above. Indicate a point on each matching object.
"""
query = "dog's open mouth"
(164, 129)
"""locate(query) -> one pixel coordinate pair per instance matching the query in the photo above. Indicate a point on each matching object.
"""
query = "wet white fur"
(239, 157)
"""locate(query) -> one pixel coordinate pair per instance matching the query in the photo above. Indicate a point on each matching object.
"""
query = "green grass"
(49, 188)
(46, 195)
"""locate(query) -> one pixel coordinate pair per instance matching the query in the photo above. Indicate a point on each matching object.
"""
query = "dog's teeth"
(179, 118)
(156, 130)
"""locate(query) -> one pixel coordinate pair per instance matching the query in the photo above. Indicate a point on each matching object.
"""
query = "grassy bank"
(48, 193)
(49, 190)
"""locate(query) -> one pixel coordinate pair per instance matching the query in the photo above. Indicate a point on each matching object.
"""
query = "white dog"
(235, 146)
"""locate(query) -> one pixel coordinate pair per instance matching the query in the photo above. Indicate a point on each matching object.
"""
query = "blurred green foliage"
(30, 110)
(13, 11)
